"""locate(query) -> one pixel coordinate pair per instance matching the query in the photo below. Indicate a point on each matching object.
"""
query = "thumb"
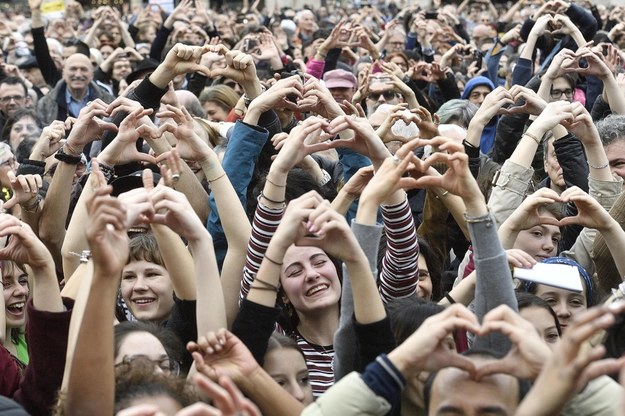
(10, 203)
(148, 179)
(494, 367)
(144, 157)
(12, 177)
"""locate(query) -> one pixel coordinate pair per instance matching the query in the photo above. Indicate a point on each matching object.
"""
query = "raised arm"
(494, 280)
(90, 390)
(174, 211)
(85, 129)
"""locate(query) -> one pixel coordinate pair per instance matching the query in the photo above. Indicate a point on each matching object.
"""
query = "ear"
(285, 299)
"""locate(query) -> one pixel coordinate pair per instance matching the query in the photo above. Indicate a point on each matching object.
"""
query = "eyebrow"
(299, 263)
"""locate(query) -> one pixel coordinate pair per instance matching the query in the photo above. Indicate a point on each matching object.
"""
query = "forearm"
(493, 281)
(46, 292)
(54, 211)
(342, 202)
(210, 307)
(455, 206)
(178, 262)
(368, 307)
(193, 190)
(237, 230)
(463, 293)
(126, 37)
(269, 396)
(75, 240)
(597, 158)
(91, 386)
(614, 94)
(400, 270)
(266, 221)
(36, 18)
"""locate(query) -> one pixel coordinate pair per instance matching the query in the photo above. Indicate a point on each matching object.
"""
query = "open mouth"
(16, 308)
(316, 289)
(143, 301)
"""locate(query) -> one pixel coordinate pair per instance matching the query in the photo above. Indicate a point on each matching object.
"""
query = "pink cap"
(339, 78)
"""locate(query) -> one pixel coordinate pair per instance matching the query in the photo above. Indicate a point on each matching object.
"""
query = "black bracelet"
(38, 163)
(449, 298)
(65, 158)
(283, 202)
(466, 143)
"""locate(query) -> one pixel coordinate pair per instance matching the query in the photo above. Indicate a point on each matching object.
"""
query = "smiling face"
(288, 368)
(15, 290)
(147, 290)
(566, 304)
(309, 279)
(78, 73)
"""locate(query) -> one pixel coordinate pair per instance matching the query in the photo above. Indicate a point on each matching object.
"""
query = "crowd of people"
(354, 209)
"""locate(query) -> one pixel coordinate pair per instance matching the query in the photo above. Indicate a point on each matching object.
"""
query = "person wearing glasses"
(381, 91)
(13, 97)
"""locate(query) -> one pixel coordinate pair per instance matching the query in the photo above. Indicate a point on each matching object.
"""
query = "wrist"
(105, 160)
(252, 89)
(72, 149)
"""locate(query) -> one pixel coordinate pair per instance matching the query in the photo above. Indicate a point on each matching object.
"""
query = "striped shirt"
(398, 278)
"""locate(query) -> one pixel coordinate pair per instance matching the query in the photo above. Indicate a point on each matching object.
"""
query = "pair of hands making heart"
(589, 212)
(529, 356)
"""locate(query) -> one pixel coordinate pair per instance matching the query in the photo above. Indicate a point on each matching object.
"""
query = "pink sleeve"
(315, 68)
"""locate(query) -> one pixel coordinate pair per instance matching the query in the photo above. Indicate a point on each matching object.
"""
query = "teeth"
(143, 301)
(317, 289)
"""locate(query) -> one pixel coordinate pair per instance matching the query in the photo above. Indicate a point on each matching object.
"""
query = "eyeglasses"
(558, 93)
(11, 98)
(388, 95)
(167, 365)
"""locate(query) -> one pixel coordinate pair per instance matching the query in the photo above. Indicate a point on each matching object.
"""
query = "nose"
(381, 99)
(20, 291)
(140, 285)
(297, 392)
(548, 245)
(311, 273)
(562, 311)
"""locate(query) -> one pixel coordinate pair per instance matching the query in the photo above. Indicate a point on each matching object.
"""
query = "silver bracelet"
(599, 167)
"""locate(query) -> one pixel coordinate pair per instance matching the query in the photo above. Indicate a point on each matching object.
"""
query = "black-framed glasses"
(166, 364)
(388, 95)
(558, 93)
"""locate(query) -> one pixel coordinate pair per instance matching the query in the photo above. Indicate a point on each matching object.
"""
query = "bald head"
(78, 73)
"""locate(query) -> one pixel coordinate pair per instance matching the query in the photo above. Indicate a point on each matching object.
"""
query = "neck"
(319, 328)
(78, 94)
(8, 344)
(556, 188)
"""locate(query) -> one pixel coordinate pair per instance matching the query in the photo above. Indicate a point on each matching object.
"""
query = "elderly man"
(73, 92)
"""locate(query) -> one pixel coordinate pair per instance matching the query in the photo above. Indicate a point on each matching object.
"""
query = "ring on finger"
(175, 177)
